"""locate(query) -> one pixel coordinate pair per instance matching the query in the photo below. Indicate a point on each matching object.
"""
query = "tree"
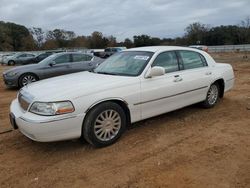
(38, 35)
(111, 41)
(97, 40)
(12, 37)
(195, 33)
(128, 43)
(142, 40)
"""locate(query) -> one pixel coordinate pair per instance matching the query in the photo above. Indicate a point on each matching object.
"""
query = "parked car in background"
(200, 47)
(4, 56)
(112, 50)
(129, 86)
(97, 52)
(54, 65)
(18, 58)
(37, 58)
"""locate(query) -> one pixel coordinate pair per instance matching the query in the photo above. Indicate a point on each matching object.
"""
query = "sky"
(123, 18)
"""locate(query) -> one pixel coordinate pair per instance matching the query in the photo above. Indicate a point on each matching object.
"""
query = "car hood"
(74, 86)
(22, 68)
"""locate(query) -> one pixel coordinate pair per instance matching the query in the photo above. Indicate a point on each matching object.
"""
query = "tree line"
(14, 37)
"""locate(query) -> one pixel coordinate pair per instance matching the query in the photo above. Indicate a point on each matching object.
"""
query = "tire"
(212, 96)
(27, 79)
(11, 62)
(104, 124)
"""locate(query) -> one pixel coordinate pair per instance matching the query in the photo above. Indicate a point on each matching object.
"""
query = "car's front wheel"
(104, 124)
(27, 79)
(12, 63)
(212, 96)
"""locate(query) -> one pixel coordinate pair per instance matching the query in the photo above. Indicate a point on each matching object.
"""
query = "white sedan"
(130, 86)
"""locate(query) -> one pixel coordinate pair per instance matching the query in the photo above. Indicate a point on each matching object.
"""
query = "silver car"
(54, 65)
(17, 59)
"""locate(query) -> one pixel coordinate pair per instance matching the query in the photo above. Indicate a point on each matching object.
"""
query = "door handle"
(208, 73)
(177, 78)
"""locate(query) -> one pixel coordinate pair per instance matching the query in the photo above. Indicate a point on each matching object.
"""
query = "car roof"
(73, 53)
(160, 48)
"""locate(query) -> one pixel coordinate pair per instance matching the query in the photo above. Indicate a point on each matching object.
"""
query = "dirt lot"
(191, 147)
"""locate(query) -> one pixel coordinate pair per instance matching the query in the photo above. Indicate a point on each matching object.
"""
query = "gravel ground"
(191, 147)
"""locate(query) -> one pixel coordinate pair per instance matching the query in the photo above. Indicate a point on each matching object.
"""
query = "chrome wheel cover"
(28, 79)
(212, 95)
(107, 125)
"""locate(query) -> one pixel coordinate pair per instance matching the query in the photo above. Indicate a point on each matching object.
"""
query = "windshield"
(130, 63)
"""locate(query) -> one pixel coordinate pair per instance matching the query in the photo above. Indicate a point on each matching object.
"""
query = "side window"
(62, 59)
(81, 57)
(168, 61)
(42, 56)
(23, 55)
(192, 60)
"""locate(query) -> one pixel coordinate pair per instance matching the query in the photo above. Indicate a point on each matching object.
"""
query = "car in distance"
(4, 56)
(37, 58)
(200, 47)
(18, 58)
(54, 65)
(112, 50)
(129, 86)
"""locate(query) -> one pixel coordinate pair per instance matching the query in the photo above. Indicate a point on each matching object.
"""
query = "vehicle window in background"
(62, 59)
(81, 57)
(191, 60)
(49, 59)
(42, 56)
(23, 55)
(29, 55)
(168, 61)
(125, 63)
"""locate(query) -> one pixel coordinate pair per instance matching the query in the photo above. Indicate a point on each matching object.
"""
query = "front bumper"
(10, 81)
(47, 128)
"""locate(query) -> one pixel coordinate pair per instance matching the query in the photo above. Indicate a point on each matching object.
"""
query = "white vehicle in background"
(6, 55)
(129, 86)
(200, 47)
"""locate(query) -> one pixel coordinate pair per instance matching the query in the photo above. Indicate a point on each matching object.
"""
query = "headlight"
(10, 74)
(52, 108)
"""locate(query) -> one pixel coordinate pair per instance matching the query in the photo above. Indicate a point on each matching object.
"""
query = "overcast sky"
(123, 18)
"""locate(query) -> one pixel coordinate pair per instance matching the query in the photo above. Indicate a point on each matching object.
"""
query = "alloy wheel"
(107, 125)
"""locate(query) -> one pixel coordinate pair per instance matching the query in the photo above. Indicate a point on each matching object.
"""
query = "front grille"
(23, 102)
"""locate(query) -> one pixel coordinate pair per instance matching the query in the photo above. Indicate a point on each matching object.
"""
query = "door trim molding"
(171, 95)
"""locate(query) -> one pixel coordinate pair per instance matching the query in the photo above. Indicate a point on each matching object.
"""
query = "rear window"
(192, 60)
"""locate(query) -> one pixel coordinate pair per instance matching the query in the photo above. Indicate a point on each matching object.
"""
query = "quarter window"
(168, 61)
(192, 60)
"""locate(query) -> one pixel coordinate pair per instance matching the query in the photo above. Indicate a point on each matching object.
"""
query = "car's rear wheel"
(11, 63)
(104, 124)
(27, 79)
(212, 96)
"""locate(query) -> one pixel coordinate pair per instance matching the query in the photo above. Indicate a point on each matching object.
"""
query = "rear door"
(196, 74)
(82, 62)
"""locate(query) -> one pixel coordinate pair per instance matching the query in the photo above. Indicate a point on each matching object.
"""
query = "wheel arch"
(25, 74)
(118, 101)
(221, 84)
(11, 60)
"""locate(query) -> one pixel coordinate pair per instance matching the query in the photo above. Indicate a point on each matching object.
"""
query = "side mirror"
(52, 63)
(155, 71)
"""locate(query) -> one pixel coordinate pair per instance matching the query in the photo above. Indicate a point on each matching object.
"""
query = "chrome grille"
(23, 102)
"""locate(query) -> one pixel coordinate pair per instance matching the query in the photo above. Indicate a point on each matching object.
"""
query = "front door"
(163, 93)
(61, 66)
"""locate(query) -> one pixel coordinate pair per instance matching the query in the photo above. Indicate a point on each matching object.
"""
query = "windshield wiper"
(108, 73)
